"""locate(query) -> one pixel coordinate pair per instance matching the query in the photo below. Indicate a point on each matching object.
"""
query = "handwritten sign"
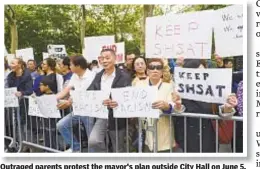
(93, 45)
(57, 51)
(45, 55)
(119, 49)
(34, 108)
(48, 106)
(9, 58)
(135, 102)
(173, 35)
(228, 29)
(6, 53)
(25, 54)
(89, 103)
(207, 85)
(10, 99)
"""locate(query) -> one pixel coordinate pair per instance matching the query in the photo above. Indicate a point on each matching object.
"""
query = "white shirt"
(106, 81)
(81, 83)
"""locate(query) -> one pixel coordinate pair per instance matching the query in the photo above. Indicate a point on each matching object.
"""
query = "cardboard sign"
(34, 108)
(57, 51)
(25, 54)
(228, 29)
(206, 85)
(10, 99)
(135, 102)
(48, 106)
(45, 55)
(93, 45)
(173, 35)
(9, 58)
(119, 49)
(6, 53)
(89, 103)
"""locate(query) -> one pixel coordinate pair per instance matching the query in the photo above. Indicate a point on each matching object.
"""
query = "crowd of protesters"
(61, 76)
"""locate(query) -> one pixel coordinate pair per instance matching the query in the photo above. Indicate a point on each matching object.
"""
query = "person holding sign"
(109, 77)
(80, 81)
(165, 105)
(193, 128)
(139, 69)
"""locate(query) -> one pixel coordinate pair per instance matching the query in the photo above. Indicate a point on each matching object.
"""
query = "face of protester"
(180, 61)
(43, 88)
(62, 67)
(229, 65)
(45, 66)
(129, 60)
(31, 66)
(15, 66)
(139, 65)
(74, 69)
(155, 70)
(109, 60)
(219, 62)
(100, 60)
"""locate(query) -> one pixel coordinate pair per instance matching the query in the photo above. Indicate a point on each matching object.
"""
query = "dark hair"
(51, 63)
(66, 62)
(155, 60)
(21, 62)
(94, 62)
(133, 64)
(129, 53)
(226, 60)
(6, 64)
(31, 60)
(108, 50)
(79, 61)
(47, 81)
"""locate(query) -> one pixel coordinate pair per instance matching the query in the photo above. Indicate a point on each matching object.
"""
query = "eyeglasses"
(153, 67)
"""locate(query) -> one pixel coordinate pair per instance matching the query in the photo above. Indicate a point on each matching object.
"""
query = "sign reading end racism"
(206, 85)
(135, 102)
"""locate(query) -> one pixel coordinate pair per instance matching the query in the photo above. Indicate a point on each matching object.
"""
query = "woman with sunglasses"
(165, 131)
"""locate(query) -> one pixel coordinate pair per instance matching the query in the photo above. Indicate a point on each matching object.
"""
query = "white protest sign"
(34, 108)
(119, 49)
(207, 85)
(89, 103)
(25, 54)
(57, 51)
(10, 99)
(48, 106)
(45, 55)
(6, 53)
(135, 102)
(9, 58)
(173, 35)
(93, 45)
(228, 31)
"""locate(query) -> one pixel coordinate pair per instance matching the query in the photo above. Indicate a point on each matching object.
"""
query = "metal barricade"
(38, 134)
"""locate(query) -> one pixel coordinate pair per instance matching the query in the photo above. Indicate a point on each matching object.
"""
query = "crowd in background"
(60, 76)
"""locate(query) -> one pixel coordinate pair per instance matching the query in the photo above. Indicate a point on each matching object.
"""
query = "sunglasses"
(153, 67)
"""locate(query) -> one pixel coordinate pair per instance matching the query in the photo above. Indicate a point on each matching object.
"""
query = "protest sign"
(34, 108)
(10, 99)
(93, 45)
(135, 102)
(45, 55)
(119, 49)
(48, 106)
(25, 54)
(6, 53)
(9, 58)
(57, 51)
(90, 103)
(207, 85)
(173, 35)
(228, 31)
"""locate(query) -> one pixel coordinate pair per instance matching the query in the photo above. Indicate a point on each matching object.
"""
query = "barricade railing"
(38, 134)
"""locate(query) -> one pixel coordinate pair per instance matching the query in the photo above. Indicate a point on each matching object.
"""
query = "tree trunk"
(14, 37)
(83, 27)
(148, 12)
